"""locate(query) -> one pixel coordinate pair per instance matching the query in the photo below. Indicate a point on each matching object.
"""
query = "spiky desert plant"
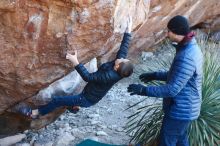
(144, 125)
(205, 130)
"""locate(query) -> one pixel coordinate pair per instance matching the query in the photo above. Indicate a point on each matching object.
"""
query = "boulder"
(34, 37)
(161, 11)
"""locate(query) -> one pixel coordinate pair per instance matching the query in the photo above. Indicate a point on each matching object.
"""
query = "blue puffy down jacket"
(182, 92)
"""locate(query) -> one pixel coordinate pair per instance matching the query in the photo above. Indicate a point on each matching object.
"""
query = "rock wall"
(161, 11)
(34, 36)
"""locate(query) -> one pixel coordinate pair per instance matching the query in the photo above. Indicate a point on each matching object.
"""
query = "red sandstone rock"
(33, 42)
(33, 45)
(161, 11)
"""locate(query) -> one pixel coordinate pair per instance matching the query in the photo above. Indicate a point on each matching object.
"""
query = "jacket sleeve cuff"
(143, 91)
(79, 67)
(147, 91)
(126, 34)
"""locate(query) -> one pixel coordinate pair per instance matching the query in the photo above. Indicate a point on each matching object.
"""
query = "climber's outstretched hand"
(73, 58)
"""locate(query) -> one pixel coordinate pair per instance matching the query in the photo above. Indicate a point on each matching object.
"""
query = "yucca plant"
(144, 125)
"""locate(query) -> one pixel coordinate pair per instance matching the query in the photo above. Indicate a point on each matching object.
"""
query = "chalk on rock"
(59, 34)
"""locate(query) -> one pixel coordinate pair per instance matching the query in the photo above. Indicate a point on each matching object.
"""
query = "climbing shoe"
(25, 110)
(73, 109)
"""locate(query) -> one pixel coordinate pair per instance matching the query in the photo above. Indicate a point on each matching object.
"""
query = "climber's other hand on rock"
(73, 58)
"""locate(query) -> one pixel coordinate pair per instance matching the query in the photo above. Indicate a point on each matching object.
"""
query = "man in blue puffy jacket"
(99, 82)
(182, 92)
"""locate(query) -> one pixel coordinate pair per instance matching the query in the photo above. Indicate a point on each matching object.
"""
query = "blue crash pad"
(89, 142)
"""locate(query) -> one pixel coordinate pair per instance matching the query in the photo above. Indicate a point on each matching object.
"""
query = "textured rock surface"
(33, 38)
(33, 42)
(34, 34)
(198, 11)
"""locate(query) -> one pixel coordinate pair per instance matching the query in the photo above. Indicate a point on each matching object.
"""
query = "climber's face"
(174, 37)
(171, 36)
(118, 61)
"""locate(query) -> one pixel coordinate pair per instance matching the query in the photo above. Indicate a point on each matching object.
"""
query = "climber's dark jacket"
(101, 81)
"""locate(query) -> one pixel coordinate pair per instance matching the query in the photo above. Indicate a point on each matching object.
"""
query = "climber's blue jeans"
(59, 101)
(174, 132)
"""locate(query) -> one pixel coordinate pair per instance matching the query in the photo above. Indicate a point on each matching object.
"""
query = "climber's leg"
(59, 101)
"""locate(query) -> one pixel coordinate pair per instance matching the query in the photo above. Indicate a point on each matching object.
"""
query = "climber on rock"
(99, 82)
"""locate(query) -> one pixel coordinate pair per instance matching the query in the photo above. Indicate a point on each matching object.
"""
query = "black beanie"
(179, 25)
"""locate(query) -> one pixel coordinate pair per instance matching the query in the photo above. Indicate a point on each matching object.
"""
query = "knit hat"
(179, 25)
